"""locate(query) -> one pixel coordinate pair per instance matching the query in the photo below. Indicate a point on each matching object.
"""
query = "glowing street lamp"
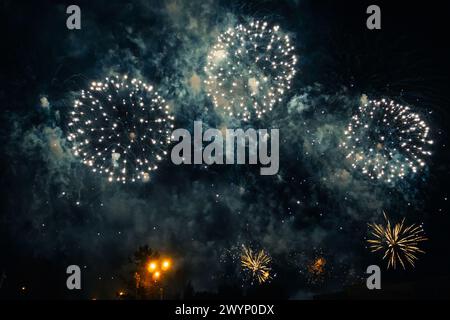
(120, 294)
(157, 267)
(156, 275)
(165, 264)
(152, 266)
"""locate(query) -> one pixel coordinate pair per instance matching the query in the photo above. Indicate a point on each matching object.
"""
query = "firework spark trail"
(257, 263)
(249, 69)
(120, 128)
(386, 141)
(399, 242)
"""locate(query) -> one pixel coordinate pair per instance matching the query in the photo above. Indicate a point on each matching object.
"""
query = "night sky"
(56, 212)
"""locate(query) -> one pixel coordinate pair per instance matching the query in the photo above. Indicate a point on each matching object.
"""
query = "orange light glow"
(152, 266)
(166, 264)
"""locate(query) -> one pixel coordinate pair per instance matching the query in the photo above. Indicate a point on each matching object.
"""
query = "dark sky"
(55, 212)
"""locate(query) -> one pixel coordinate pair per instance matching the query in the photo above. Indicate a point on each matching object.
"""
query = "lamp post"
(156, 268)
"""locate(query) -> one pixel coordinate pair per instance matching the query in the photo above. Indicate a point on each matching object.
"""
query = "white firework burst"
(249, 69)
(120, 128)
(386, 140)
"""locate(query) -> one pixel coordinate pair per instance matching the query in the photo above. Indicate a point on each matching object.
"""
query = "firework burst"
(386, 140)
(257, 263)
(249, 69)
(317, 267)
(120, 128)
(400, 243)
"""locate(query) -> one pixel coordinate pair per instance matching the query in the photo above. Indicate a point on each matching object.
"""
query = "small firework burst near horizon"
(257, 263)
(249, 69)
(317, 267)
(398, 242)
(387, 141)
(120, 128)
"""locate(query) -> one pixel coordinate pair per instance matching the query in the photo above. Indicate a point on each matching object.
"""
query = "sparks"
(249, 69)
(257, 263)
(317, 267)
(120, 128)
(399, 243)
(386, 141)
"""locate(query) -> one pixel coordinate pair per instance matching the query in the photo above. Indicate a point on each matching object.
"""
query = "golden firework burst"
(400, 243)
(317, 267)
(257, 263)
